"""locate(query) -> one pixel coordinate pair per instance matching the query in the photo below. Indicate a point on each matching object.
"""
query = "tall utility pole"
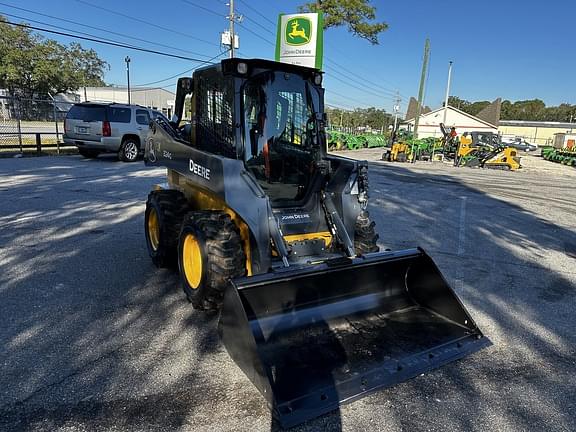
(127, 60)
(447, 92)
(396, 110)
(421, 91)
(232, 36)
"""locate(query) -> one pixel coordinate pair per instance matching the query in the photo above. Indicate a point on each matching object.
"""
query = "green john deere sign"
(298, 31)
(299, 39)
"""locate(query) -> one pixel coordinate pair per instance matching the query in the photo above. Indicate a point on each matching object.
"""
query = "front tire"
(210, 253)
(365, 237)
(165, 211)
(129, 150)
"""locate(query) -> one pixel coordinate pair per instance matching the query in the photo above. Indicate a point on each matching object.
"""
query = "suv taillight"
(106, 131)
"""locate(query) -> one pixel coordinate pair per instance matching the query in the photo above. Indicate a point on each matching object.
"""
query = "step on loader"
(272, 231)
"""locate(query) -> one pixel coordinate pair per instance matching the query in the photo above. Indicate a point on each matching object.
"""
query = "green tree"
(475, 107)
(372, 118)
(456, 102)
(32, 66)
(357, 15)
(529, 110)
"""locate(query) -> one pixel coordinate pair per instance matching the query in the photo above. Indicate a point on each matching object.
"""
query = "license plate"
(82, 130)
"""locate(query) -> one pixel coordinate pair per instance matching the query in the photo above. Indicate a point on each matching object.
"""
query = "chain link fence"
(32, 125)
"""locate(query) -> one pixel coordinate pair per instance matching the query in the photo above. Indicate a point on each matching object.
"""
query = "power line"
(257, 12)
(202, 7)
(88, 26)
(373, 91)
(179, 74)
(109, 31)
(362, 89)
(385, 92)
(339, 106)
(349, 71)
(256, 34)
(266, 29)
(170, 30)
(107, 42)
(329, 92)
(132, 90)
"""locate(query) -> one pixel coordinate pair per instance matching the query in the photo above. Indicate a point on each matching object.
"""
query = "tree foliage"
(357, 15)
(372, 118)
(530, 110)
(32, 66)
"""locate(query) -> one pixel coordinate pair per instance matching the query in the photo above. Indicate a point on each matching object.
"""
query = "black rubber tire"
(365, 237)
(223, 257)
(89, 154)
(171, 207)
(129, 150)
(401, 157)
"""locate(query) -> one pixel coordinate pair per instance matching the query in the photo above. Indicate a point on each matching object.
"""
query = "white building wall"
(429, 125)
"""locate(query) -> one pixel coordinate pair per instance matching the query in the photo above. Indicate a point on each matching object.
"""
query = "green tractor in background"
(565, 156)
(338, 140)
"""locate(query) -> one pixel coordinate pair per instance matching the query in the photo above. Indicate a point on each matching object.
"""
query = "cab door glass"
(278, 125)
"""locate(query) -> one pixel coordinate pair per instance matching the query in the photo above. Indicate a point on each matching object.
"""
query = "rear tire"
(365, 237)
(210, 253)
(129, 150)
(89, 154)
(165, 211)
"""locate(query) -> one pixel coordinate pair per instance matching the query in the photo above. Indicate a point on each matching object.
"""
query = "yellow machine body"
(507, 158)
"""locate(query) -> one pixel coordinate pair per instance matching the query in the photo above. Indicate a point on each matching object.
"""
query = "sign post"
(300, 39)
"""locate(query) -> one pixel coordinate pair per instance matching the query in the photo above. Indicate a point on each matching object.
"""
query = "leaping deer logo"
(295, 33)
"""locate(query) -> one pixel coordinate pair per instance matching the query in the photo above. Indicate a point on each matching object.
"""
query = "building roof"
(529, 123)
(459, 112)
(125, 88)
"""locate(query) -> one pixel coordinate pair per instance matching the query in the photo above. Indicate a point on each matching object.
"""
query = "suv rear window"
(87, 113)
(119, 115)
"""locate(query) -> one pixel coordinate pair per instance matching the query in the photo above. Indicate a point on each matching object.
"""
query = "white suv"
(108, 127)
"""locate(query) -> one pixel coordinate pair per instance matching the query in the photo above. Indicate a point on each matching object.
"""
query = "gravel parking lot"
(94, 337)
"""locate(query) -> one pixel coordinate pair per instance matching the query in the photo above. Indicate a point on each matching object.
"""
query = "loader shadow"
(302, 361)
(92, 337)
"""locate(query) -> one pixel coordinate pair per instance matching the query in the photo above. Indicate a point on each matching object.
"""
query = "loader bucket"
(312, 338)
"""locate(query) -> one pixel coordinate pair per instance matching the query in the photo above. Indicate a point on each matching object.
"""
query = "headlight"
(242, 68)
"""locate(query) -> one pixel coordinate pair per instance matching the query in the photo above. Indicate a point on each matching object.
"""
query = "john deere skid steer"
(269, 229)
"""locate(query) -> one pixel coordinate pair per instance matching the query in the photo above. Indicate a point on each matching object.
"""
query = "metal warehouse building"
(541, 133)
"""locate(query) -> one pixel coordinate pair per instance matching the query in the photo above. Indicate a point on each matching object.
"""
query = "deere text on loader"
(273, 232)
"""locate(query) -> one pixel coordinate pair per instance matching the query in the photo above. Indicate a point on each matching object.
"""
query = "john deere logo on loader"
(298, 31)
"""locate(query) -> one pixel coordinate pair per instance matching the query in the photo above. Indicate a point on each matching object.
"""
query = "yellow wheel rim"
(192, 261)
(153, 229)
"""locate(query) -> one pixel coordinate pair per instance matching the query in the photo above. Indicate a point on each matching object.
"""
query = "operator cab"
(279, 129)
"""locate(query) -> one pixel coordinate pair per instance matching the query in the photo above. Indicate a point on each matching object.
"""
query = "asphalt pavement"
(94, 338)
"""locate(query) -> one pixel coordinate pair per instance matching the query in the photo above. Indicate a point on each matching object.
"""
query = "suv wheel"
(129, 150)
